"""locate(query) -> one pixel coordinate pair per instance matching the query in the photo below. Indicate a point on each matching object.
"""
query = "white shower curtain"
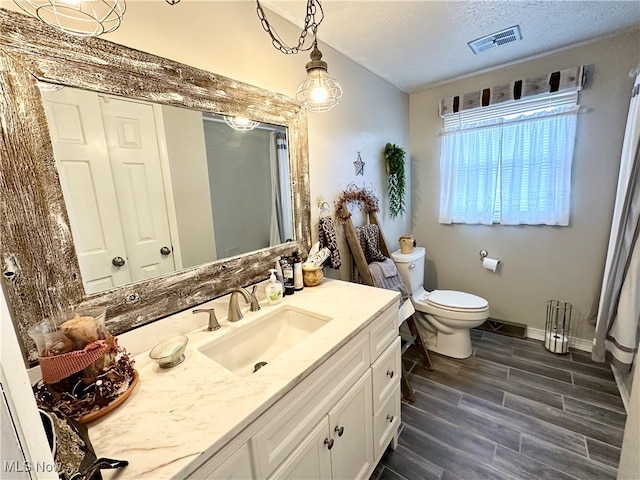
(281, 211)
(618, 322)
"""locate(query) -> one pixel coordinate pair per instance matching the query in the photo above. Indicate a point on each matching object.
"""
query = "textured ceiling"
(417, 44)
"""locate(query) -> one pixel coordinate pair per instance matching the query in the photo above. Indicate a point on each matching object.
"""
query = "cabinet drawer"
(384, 331)
(386, 423)
(387, 371)
(285, 430)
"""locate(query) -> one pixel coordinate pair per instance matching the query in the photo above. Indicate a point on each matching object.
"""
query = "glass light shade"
(84, 18)
(319, 92)
(241, 123)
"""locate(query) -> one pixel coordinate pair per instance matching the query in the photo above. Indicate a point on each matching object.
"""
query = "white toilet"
(445, 315)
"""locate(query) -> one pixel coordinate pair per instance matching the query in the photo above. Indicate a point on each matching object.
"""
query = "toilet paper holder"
(490, 264)
(558, 326)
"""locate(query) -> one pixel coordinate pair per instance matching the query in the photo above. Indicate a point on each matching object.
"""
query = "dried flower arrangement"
(362, 196)
(83, 393)
(83, 369)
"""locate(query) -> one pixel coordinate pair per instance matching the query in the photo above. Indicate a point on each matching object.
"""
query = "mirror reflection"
(152, 188)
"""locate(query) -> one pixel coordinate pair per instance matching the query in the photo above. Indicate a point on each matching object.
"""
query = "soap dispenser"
(273, 289)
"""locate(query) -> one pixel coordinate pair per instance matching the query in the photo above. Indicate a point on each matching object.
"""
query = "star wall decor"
(359, 165)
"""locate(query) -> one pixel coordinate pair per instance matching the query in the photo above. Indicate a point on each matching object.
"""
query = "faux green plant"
(394, 156)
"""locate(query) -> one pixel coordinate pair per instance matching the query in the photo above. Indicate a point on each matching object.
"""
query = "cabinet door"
(351, 427)
(237, 466)
(287, 428)
(311, 460)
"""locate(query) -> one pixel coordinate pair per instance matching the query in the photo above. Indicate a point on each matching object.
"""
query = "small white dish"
(170, 352)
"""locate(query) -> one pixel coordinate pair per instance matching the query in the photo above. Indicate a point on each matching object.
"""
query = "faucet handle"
(255, 306)
(213, 321)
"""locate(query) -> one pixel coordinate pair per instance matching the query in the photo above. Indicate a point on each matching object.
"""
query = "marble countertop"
(174, 415)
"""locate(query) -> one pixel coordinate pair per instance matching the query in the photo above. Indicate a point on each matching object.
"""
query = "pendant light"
(85, 18)
(319, 92)
(241, 124)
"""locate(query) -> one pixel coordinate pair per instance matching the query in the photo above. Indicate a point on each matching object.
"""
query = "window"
(509, 164)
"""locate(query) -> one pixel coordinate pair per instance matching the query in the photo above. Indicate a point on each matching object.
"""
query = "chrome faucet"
(213, 321)
(234, 309)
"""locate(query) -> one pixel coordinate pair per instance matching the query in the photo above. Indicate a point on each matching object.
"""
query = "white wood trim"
(622, 388)
(22, 404)
(168, 187)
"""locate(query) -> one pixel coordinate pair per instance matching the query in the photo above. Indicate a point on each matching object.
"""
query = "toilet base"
(456, 344)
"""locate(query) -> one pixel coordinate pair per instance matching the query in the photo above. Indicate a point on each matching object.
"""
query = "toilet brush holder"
(557, 326)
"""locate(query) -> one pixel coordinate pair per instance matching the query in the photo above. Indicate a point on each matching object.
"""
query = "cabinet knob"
(328, 443)
(390, 373)
(339, 430)
(390, 418)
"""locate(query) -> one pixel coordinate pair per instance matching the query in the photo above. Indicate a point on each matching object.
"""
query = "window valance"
(558, 81)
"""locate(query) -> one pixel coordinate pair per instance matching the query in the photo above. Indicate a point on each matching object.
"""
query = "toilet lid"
(453, 300)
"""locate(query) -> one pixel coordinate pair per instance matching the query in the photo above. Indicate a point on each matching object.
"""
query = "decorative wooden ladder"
(363, 268)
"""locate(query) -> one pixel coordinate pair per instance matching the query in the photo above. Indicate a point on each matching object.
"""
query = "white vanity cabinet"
(335, 424)
(340, 445)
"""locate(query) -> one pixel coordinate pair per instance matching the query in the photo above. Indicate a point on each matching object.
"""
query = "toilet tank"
(411, 267)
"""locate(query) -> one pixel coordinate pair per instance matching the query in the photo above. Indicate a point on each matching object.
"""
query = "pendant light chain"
(310, 25)
(319, 92)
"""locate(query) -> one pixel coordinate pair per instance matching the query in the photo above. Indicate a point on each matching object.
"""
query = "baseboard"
(622, 388)
(577, 343)
(503, 327)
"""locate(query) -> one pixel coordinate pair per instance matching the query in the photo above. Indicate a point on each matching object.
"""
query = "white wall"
(190, 184)
(539, 262)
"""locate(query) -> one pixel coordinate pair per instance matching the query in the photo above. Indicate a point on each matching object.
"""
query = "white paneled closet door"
(108, 157)
(135, 162)
(79, 146)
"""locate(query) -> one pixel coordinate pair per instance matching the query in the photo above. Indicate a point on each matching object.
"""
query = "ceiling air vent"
(497, 39)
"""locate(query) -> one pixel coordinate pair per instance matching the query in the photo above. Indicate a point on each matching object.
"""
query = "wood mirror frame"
(41, 274)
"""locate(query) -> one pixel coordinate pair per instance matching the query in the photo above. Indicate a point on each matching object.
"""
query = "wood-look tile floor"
(512, 410)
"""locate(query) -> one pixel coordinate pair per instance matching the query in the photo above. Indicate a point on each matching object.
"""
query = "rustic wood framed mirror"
(41, 273)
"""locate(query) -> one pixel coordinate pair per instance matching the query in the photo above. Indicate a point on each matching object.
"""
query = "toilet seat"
(449, 301)
(455, 301)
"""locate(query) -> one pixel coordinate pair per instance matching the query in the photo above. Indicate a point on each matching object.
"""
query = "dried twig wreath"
(362, 196)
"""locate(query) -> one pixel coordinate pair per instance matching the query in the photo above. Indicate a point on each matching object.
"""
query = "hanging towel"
(388, 268)
(369, 236)
(381, 279)
(327, 238)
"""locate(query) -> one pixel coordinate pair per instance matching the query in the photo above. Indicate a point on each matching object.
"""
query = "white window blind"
(509, 164)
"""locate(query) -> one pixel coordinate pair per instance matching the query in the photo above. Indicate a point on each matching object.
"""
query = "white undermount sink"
(262, 340)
